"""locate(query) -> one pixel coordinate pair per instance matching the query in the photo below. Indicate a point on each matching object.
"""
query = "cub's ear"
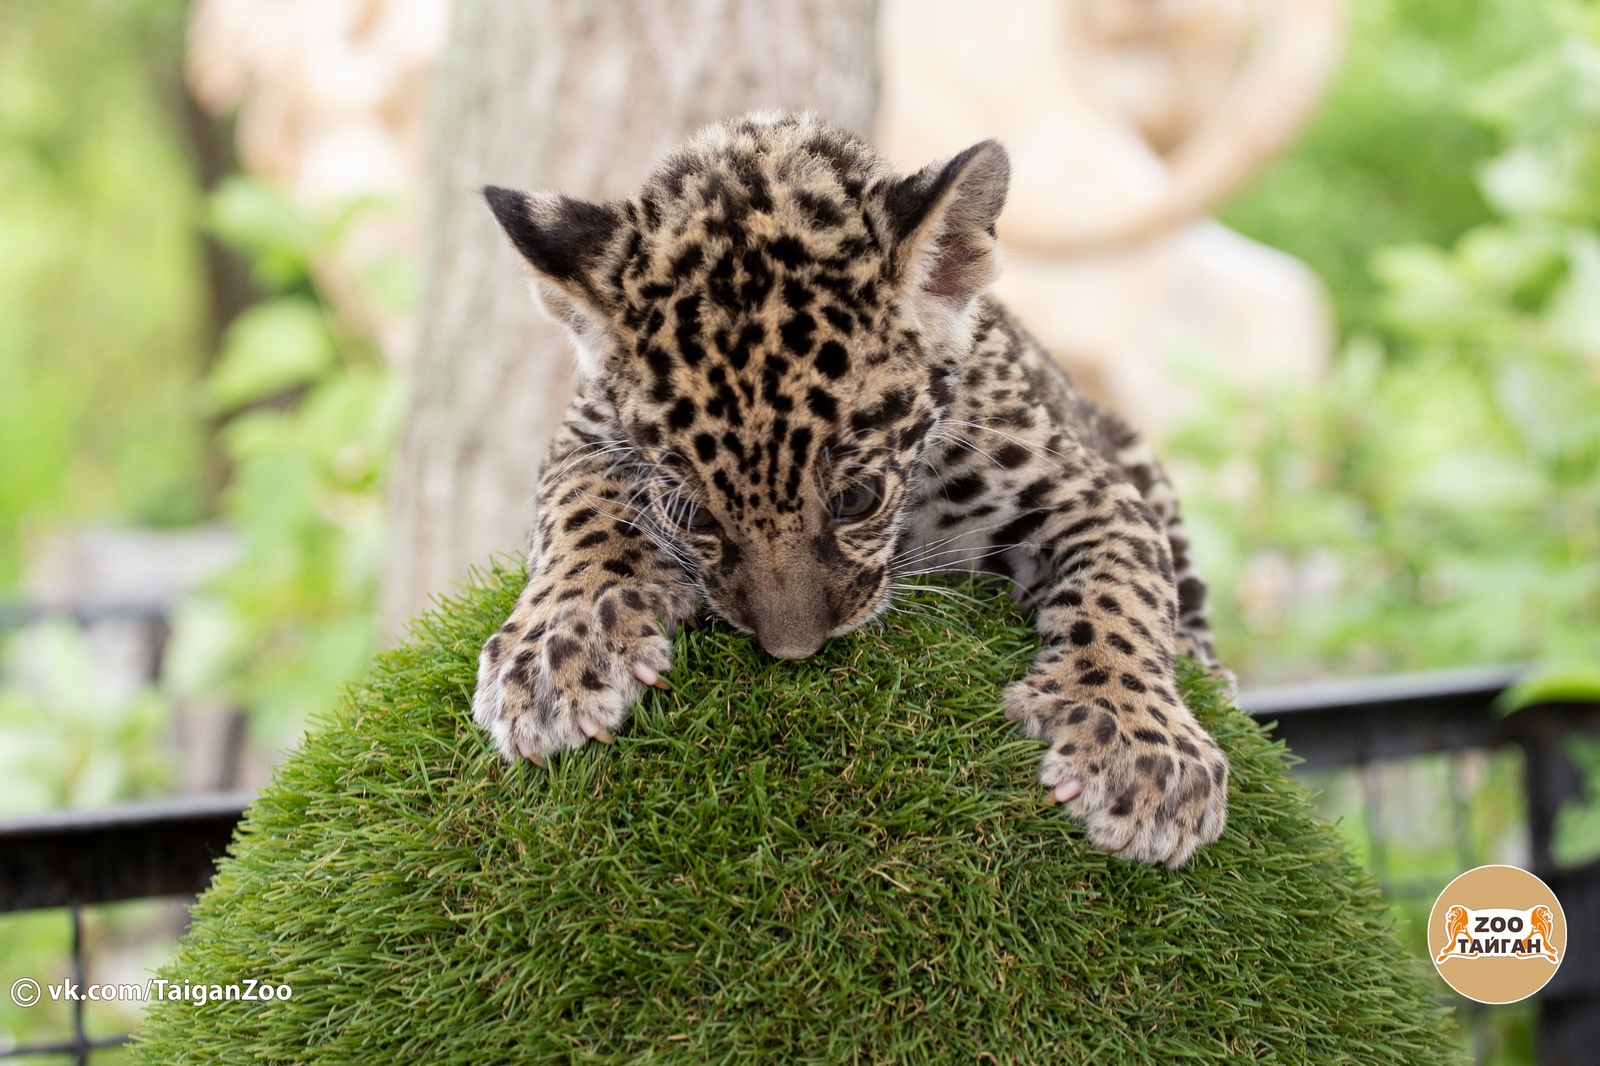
(568, 242)
(941, 221)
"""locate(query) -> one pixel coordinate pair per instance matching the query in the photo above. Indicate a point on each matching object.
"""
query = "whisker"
(942, 590)
(958, 565)
(591, 450)
(1036, 449)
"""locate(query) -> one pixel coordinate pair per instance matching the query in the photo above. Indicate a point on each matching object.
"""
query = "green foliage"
(1575, 840)
(100, 295)
(273, 346)
(310, 416)
(841, 859)
(1438, 501)
(1390, 158)
(66, 739)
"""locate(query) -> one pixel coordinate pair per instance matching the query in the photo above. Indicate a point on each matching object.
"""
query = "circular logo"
(1497, 934)
(25, 991)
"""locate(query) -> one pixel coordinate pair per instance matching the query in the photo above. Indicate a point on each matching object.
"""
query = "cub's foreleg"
(604, 593)
(1127, 758)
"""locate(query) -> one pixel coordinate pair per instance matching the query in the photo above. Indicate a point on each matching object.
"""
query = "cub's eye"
(858, 501)
(686, 515)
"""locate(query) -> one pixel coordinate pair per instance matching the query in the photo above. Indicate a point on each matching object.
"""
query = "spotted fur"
(793, 391)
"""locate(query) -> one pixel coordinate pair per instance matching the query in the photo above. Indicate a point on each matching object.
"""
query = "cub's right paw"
(558, 674)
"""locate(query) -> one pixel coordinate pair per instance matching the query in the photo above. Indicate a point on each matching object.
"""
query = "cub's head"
(778, 321)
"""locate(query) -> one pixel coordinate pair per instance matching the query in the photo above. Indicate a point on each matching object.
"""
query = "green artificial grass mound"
(843, 859)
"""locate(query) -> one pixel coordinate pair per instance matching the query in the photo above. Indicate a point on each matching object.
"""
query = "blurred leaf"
(1563, 682)
(1535, 179)
(258, 220)
(1575, 311)
(1575, 837)
(271, 347)
(1555, 411)
(1477, 480)
(1428, 291)
(68, 738)
(1520, 264)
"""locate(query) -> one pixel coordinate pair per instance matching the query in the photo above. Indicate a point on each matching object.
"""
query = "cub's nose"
(791, 645)
(790, 623)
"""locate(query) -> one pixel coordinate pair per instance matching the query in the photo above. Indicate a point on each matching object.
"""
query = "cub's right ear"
(567, 241)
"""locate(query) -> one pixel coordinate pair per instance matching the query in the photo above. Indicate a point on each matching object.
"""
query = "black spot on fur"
(800, 444)
(832, 360)
(796, 333)
(560, 650)
(1066, 598)
(1011, 455)
(822, 403)
(1016, 532)
(839, 320)
(788, 251)
(962, 489)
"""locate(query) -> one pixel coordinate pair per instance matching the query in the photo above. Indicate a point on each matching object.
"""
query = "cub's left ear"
(569, 243)
(941, 220)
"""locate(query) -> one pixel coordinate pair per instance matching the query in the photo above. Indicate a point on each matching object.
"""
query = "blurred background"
(269, 379)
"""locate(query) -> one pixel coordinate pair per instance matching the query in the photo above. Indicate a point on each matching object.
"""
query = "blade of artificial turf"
(843, 859)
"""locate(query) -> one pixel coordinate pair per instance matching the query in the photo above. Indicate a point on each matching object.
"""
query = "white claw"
(645, 673)
(594, 730)
(1067, 791)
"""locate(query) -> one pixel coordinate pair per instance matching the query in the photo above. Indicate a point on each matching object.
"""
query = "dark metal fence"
(1357, 724)
(73, 859)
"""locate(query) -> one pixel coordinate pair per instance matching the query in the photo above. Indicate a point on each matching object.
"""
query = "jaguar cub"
(791, 388)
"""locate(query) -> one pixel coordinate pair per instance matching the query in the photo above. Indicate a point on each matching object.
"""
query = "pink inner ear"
(956, 263)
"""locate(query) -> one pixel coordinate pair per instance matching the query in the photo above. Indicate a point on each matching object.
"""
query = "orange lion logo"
(1543, 921)
(1455, 920)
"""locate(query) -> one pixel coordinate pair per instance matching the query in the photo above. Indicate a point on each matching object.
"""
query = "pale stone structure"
(1126, 121)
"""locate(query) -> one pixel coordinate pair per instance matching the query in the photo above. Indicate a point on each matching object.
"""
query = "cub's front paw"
(560, 673)
(1141, 776)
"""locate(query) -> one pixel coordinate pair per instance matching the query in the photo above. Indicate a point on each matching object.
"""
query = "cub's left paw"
(1146, 783)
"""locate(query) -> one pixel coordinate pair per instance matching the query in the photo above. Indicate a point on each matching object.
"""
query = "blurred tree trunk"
(582, 96)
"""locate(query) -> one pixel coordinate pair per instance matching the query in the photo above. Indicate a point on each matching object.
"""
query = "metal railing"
(74, 859)
(77, 858)
(1361, 723)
